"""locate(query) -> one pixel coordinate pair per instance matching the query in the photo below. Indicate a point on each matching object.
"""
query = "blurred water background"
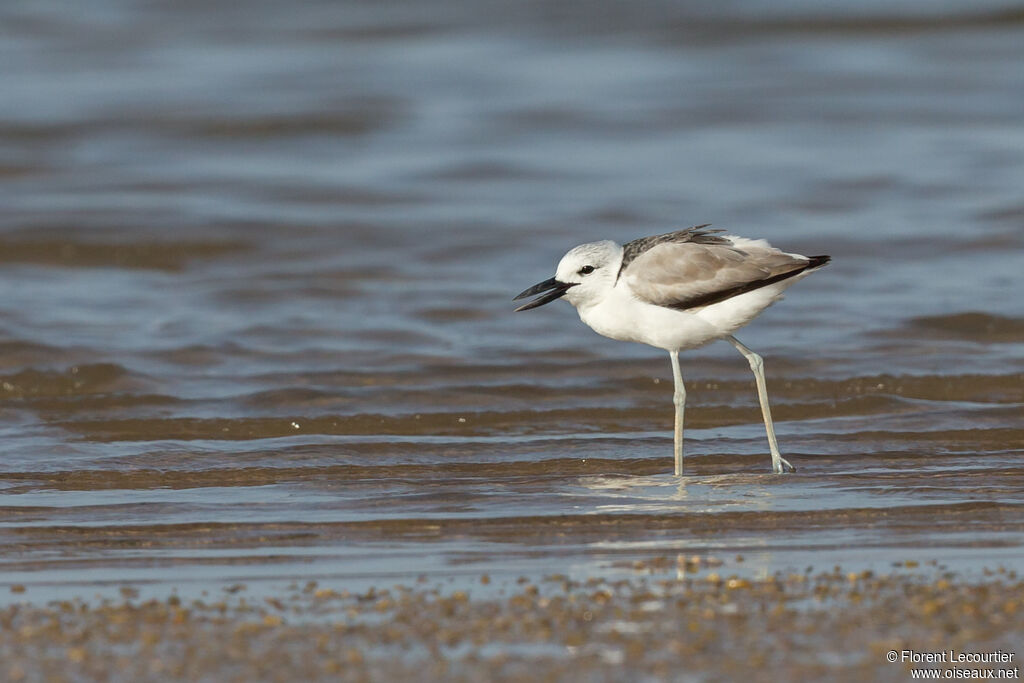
(257, 261)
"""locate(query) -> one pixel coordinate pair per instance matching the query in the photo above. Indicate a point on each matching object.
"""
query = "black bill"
(552, 289)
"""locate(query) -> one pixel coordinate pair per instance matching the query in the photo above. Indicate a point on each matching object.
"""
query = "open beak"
(550, 289)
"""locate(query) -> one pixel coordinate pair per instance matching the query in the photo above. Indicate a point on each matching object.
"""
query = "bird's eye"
(586, 270)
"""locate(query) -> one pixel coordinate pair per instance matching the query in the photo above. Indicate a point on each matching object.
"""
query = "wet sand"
(673, 618)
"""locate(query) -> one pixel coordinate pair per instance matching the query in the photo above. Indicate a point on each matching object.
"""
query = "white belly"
(623, 317)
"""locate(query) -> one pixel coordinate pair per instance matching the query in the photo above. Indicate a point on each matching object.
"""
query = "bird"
(678, 291)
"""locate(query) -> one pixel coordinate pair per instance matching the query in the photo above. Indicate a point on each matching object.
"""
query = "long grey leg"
(757, 365)
(679, 399)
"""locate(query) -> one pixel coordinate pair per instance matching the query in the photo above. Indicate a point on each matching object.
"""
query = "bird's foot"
(780, 465)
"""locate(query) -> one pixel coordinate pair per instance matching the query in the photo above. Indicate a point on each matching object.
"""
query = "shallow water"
(259, 265)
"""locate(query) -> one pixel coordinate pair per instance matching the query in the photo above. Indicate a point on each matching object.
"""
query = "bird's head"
(583, 276)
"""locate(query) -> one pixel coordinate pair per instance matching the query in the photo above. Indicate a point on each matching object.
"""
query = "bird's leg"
(757, 365)
(679, 399)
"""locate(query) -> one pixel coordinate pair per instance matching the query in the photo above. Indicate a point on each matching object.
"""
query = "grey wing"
(690, 275)
(698, 234)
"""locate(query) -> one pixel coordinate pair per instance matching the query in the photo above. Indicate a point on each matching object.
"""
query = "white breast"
(621, 316)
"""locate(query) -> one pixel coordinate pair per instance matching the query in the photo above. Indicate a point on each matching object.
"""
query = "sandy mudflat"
(685, 619)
